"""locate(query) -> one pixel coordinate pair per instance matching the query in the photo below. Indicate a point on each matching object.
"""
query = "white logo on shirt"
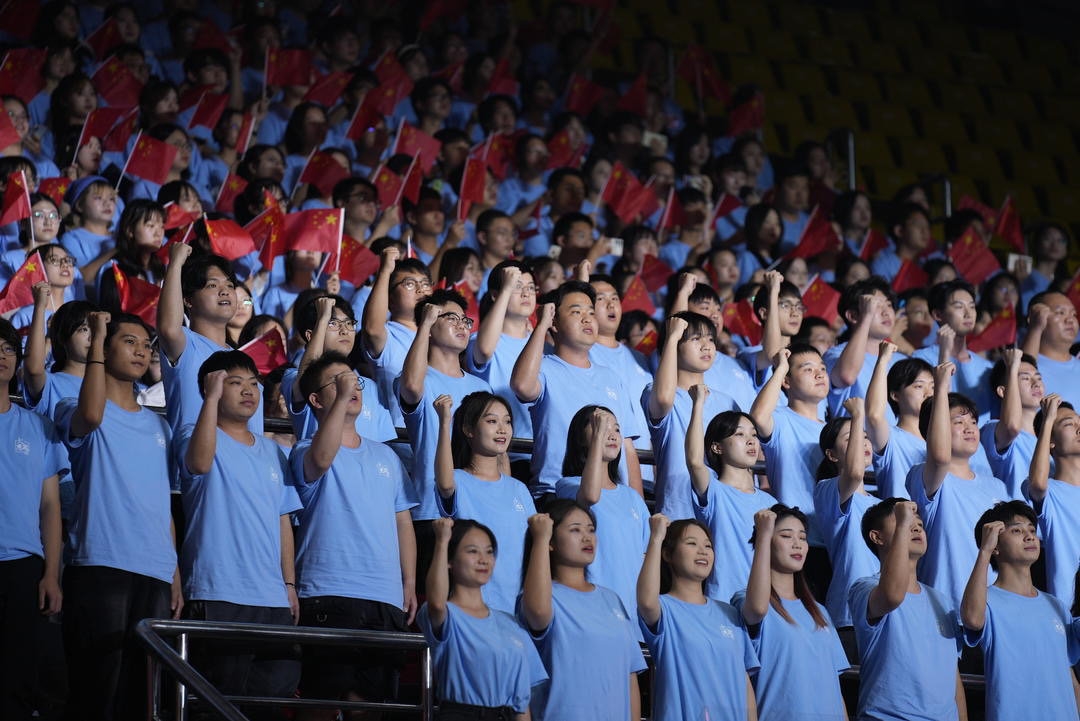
(618, 613)
(611, 393)
(635, 514)
(727, 632)
(22, 447)
(366, 414)
(518, 505)
(160, 440)
(275, 477)
(1059, 627)
(383, 469)
(516, 641)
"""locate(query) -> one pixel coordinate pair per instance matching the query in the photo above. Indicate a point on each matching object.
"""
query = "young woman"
(461, 264)
(1000, 292)
(85, 231)
(684, 624)
(584, 635)
(138, 239)
(799, 650)
(472, 440)
(62, 284)
(40, 229)
(484, 661)
(300, 269)
(182, 165)
(591, 477)
(764, 229)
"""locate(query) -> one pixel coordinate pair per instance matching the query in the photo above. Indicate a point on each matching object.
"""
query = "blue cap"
(75, 191)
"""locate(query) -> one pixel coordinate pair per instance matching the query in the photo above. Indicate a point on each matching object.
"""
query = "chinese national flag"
(267, 232)
(821, 300)
(16, 199)
(637, 297)
(739, 319)
(105, 38)
(209, 109)
(177, 217)
(698, 69)
(137, 296)
(327, 90)
(324, 172)
(988, 214)
(116, 84)
(673, 216)
(724, 207)
(748, 116)
(150, 159)
(19, 290)
(911, 275)
(55, 188)
(872, 244)
(973, 260)
(232, 187)
(647, 344)
(8, 134)
(560, 152)
(413, 141)
(117, 138)
(243, 138)
(366, 117)
(453, 74)
(190, 97)
(20, 74)
(356, 264)
(288, 67)
(386, 97)
(438, 9)
(319, 230)
(635, 97)
(473, 183)
(98, 124)
(624, 193)
(388, 185)
(387, 68)
(819, 236)
(18, 18)
(497, 152)
(414, 180)
(1001, 331)
(582, 95)
(654, 273)
(1008, 226)
(268, 351)
(228, 239)
(503, 81)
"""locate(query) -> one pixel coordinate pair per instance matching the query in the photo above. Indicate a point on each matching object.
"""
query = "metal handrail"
(152, 632)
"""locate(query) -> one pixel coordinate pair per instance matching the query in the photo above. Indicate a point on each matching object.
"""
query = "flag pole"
(340, 239)
(26, 192)
(128, 160)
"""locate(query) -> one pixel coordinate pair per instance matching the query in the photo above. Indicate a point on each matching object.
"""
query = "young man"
(780, 309)
(951, 494)
(237, 554)
(911, 235)
(495, 237)
(566, 187)
(556, 385)
(204, 289)
(793, 203)
(1052, 329)
(433, 368)
(30, 539)
(360, 199)
(952, 305)
(1009, 442)
(1029, 638)
(355, 548)
(123, 556)
(1057, 499)
(688, 351)
(908, 635)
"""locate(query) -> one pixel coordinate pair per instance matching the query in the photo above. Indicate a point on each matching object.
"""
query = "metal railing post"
(946, 186)
(181, 690)
(851, 159)
(427, 683)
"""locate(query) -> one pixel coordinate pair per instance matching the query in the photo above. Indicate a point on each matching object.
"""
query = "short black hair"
(999, 374)
(956, 400)
(1003, 511)
(439, 296)
(306, 315)
(225, 360)
(1040, 417)
(558, 295)
(874, 519)
(193, 274)
(10, 335)
(902, 374)
(696, 324)
(941, 293)
(566, 221)
(309, 379)
(558, 174)
(849, 299)
(408, 265)
(761, 300)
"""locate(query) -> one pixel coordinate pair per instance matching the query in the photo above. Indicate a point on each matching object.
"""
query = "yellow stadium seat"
(877, 57)
(729, 39)
(894, 120)
(1063, 203)
(811, 131)
(888, 180)
(963, 185)
(943, 126)
(752, 14)
(750, 69)
(802, 19)
(898, 31)
(785, 106)
(910, 90)
(930, 62)
(776, 44)
(1036, 77)
(923, 156)
(947, 36)
(999, 43)
(961, 97)
(1063, 107)
(1013, 103)
(873, 149)
(833, 111)
(847, 25)
(775, 140)
(978, 68)
(803, 78)
(1034, 168)
(857, 86)
(827, 51)
(1023, 195)
(1046, 50)
(923, 9)
(996, 132)
(1052, 138)
(1070, 165)
(978, 161)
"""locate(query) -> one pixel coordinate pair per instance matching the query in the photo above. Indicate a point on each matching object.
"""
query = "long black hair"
(558, 510)
(577, 445)
(67, 319)
(461, 527)
(802, 588)
(466, 418)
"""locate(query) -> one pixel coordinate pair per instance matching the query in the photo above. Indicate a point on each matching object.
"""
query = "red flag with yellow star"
(268, 351)
(561, 154)
(177, 217)
(413, 141)
(137, 296)
(739, 319)
(369, 113)
(698, 68)
(150, 159)
(20, 74)
(288, 66)
(243, 137)
(117, 138)
(911, 275)
(647, 344)
(98, 124)
(105, 39)
(972, 258)
(625, 194)
(989, 215)
(818, 236)
(55, 188)
(319, 230)
(228, 239)
(636, 97)
(821, 300)
(208, 110)
(747, 117)
(637, 297)
(1073, 291)
(267, 231)
(874, 242)
(323, 171)
(1008, 226)
(999, 332)
(654, 273)
(232, 187)
(356, 262)
(116, 84)
(16, 199)
(388, 185)
(8, 134)
(582, 95)
(327, 90)
(19, 290)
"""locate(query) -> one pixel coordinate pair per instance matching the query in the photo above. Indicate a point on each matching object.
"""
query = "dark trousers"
(19, 624)
(106, 663)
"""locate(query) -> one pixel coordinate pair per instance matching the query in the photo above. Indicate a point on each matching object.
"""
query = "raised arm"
(438, 575)
(487, 338)
(314, 348)
(536, 609)
(525, 379)
(199, 458)
(91, 409)
(373, 322)
(877, 399)
(666, 381)
(390, 219)
(939, 435)
(414, 370)
(695, 441)
(759, 586)
(895, 567)
(1038, 317)
(444, 457)
(33, 368)
(771, 340)
(1012, 410)
(648, 582)
(601, 427)
(687, 283)
(1039, 473)
(853, 464)
(973, 605)
(764, 405)
(326, 442)
(170, 311)
(846, 370)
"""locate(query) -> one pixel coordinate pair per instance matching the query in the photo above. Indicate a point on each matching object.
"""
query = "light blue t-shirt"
(908, 658)
(423, 425)
(892, 465)
(1060, 377)
(84, 246)
(852, 559)
(497, 372)
(622, 533)
(673, 486)
(389, 363)
(800, 665)
(1028, 644)
(792, 456)
(701, 655)
(58, 386)
(728, 375)
(634, 379)
(564, 390)
(1012, 464)
(373, 422)
(589, 651)
(1059, 525)
(950, 518)
(232, 544)
(488, 662)
(32, 452)
(347, 542)
(972, 378)
(838, 394)
(729, 514)
(504, 506)
(122, 474)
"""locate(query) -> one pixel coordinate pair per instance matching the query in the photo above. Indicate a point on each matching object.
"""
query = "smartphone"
(615, 246)
(1016, 259)
(554, 252)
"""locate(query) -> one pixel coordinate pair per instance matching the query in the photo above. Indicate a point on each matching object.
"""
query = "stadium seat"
(894, 120)
(978, 161)
(922, 155)
(929, 62)
(1046, 50)
(801, 19)
(961, 97)
(857, 86)
(945, 127)
(978, 68)
(1034, 168)
(833, 111)
(1037, 78)
(1000, 44)
(1064, 203)
(963, 185)
(729, 39)
(877, 57)
(803, 78)
(774, 137)
(909, 90)
(897, 31)
(947, 36)
(1023, 195)
(888, 180)
(1070, 167)
(785, 106)
(1050, 137)
(1013, 103)
(847, 25)
(996, 132)
(873, 149)
(754, 15)
(776, 45)
(827, 51)
(751, 69)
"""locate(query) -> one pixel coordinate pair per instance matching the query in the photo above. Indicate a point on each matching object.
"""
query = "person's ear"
(716, 448)
(877, 537)
(831, 455)
(313, 400)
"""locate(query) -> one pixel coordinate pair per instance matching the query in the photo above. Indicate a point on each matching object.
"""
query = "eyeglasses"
(247, 301)
(66, 262)
(340, 324)
(791, 305)
(412, 284)
(363, 197)
(458, 320)
(7, 349)
(525, 289)
(359, 380)
(51, 215)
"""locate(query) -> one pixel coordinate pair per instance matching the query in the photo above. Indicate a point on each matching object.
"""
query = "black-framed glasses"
(413, 284)
(339, 324)
(790, 305)
(359, 380)
(7, 349)
(65, 262)
(456, 319)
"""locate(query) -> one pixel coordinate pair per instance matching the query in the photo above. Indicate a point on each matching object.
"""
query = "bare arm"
(973, 605)
(1039, 474)
(772, 340)
(536, 608)
(666, 381)
(759, 586)
(633, 467)
(846, 370)
(33, 368)
(877, 399)
(682, 298)
(635, 698)
(170, 312)
(199, 458)
(892, 588)
(939, 436)
(288, 565)
(525, 379)
(438, 575)
(487, 338)
(373, 322)
(50, 597)
(91, 409)
(764, 405)
(326, 442)
(1012, 410)
(695, 441)
(314, 348)
(853, 464)
(444, 459)
(751, 701)
(407, 558)
(601, 427)
(414, 370)
(961, 699)
(648, 583)
(1038, 317)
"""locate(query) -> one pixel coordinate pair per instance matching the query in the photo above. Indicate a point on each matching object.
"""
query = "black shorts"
(335, 671)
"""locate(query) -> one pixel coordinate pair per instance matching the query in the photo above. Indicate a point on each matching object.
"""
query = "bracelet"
(290, 584)
(91, 362)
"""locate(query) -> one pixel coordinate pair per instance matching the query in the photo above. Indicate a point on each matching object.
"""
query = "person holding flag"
(40, 227)
(138, 238)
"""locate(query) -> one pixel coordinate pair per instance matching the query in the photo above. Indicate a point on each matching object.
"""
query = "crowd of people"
(773, 428)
